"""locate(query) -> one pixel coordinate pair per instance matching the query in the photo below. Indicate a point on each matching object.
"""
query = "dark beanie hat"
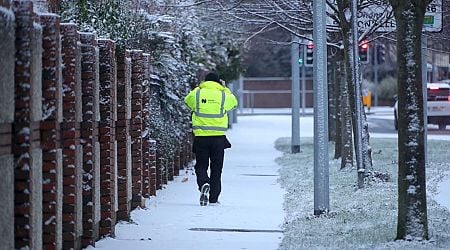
(212, 77)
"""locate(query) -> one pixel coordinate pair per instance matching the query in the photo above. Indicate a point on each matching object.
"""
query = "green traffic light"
(300, 61)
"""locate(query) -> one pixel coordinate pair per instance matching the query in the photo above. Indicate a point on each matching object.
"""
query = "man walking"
(210, 102)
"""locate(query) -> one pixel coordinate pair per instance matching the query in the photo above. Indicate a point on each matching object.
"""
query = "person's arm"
(230, 100)
(189, 100)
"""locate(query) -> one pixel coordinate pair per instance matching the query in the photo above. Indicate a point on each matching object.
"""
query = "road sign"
(381, 12)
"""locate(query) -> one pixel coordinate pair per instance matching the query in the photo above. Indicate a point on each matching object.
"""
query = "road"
(381, 121)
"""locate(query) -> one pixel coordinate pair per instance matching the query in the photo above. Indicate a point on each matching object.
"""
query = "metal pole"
(230, 114)
(236, 93)
(425, 94)
(434, 71)
(321, 158)
(241, 93)
(375, 68)
(303, 82)
(252, 102)
(295, 75)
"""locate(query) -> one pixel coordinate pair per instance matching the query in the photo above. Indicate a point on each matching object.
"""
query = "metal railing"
(248, 100)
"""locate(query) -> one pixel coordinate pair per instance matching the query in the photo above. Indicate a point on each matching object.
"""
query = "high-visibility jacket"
(210, 103)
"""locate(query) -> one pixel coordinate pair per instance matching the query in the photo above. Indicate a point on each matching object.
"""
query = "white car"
(438, 105)
(445, 81)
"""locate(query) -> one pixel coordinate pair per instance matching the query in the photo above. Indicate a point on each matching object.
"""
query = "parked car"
(438, 105)
(445, 81)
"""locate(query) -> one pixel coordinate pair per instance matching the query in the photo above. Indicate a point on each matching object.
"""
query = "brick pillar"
(177, 161)
(123, 136)
(191, 156)
(137, 78)
(171, 167)
(6, 119)
(70, 128)
(50, 132)
(159, 166)
(146, 127)
(89, 138)
(165, 160)
(182, 154)
(152, 154)
(107, 137)
(27, 154)
(185, 151)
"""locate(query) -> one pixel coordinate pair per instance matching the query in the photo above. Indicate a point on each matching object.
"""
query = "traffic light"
(309, 58)
(300, 56)
(364, 52)
(381, 53)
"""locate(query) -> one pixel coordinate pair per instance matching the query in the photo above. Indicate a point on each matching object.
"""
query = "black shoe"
(204, 194)
(217, 203)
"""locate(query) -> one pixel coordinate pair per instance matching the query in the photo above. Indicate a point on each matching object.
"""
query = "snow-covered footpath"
(254, 208)
(251, 200)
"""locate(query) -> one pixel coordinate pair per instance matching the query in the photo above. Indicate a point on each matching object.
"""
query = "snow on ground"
(358, 219)
(252, 199)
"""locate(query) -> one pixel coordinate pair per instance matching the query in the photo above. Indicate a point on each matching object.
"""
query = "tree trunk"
(343, 6)
(345, 108)
(366, 152)
(346, 121)
(412, 222)
(332, 85)
(367, 149)
(338, 119)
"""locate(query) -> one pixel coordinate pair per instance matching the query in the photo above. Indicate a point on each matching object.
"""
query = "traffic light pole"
(375, 74)
(295, 78)
(321, 159)
(303, 83)
(425, 94)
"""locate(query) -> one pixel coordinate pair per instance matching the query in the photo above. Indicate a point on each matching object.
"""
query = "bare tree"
(412, 201)
(295, 17)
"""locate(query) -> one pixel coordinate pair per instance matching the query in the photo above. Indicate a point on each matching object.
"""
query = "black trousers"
(209, 152)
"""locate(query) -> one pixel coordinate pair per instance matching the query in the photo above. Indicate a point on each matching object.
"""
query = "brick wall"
(273, 92)
(75, 147)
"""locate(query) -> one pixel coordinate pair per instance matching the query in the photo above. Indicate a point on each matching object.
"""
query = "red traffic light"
(364, 51)
(310, 45)
(364, 44)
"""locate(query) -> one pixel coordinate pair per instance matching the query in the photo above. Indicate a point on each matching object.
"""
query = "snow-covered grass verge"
(358, 219)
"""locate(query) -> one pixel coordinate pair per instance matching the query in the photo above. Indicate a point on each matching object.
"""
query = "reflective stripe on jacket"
(210, 102)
